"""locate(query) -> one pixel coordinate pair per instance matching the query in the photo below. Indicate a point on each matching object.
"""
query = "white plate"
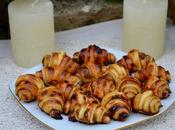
(64, 124)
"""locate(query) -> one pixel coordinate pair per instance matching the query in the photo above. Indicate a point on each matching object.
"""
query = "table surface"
(13, 117)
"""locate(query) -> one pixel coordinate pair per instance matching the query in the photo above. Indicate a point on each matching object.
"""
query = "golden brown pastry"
(164, 74)
(90, 113)
(27, 86)
(67, 89)
(147, 103)
(51, 101)
(135, 60)
(100, 87)
(78, 97)
(54, 75)
(129, 86)
(89, 72)
(116, 71)
(60, 59)
(94, 54)
(159, 87)
(92, 87)
(152, 69)
(117, 104)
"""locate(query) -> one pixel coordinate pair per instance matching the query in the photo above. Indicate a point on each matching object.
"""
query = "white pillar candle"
(32, 30)
(144, 26)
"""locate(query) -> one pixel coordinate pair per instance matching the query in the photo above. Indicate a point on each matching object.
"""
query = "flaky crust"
(51, 101)
(92, 87)
(117, 104)
(27, 86)
(90, 113)
(94, 54)
(129, 86)
(159, 87)
(146, 103)
(100, 87)
(67, 89)
(135, 60)
(79, 97)
(89, 72)
(62, 60)
(116, 72)
(152, 69)
(54, 75)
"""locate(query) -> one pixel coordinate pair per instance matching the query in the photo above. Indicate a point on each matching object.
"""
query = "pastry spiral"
(67, 89)
(54, 75)
(116, 71)
(130, 86)
(60, 59)
(135, 60)
(79, 97)
(89, 72)
(27, 86)
(152, 69)
(51, 101)
(117, 104)
(100, 87)
(92, 87)
(90, 113)
(94, 54)
(159, 87)
(146, 103)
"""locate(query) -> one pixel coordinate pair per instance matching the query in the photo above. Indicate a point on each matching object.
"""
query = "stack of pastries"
(95, 87)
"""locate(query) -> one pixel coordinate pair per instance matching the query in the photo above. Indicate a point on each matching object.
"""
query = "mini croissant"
(51, 101)
(79, 97)
(100, 87)
(67, 89)
(94, 54)
(92, 87)
(117, 104)
(147, 103)
(116, 71)
(60, 59)
(27, 86)
(90, 113)
(135, 60)
(89, 72)
(159, 87)
(152, 69)
(54, 75)
(130, 86)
